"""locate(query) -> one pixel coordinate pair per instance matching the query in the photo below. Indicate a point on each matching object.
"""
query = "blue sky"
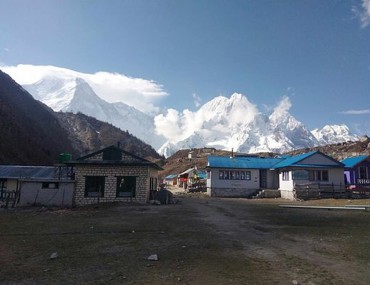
(316, 52)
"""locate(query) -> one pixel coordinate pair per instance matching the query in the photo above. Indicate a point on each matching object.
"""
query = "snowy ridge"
(333, 134)
(73, 94)
(222, 123)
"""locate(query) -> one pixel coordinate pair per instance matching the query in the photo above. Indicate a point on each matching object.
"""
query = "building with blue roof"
(246, 176)
(357, 171)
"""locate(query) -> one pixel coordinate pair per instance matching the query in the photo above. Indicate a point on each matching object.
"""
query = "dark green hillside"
(89, 134)
(30, 133)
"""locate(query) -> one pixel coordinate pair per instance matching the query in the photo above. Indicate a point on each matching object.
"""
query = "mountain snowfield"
(73, 94)
(223, 123)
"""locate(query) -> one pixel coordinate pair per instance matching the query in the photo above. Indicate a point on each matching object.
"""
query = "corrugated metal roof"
(187, 171)
(242, 162)
(16, 171)
(350, 162)
(289, 161)
(171, 176)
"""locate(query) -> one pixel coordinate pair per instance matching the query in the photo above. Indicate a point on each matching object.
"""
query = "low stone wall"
(287, 194)
(271, 194)
(230, 192)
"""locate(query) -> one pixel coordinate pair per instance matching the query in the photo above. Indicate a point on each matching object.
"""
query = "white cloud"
(363, 13)
(197, 100)
(112, 87)
(6, 49)
(357, 112)
(283, 106)
(168, 124)
(215, 117)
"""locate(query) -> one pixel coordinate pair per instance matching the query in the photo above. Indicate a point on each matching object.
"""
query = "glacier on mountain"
(223, 123)
(73, 94)
(334, 134)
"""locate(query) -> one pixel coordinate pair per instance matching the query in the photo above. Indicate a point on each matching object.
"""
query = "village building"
(35, 185)
(306, 175)
(357, 171)
(240, 176)
(170, 179)
(113, 175)
(287, 175)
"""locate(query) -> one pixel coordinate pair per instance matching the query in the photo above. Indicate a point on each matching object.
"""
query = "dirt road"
(296, 247)
(199, 241)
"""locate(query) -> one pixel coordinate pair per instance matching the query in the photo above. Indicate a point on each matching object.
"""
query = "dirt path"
(294, 256)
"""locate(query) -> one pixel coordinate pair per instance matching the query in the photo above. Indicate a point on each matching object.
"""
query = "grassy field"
(199, 241)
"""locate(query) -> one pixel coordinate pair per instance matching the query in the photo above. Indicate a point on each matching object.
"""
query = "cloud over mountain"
(112, 87)
(223, 123)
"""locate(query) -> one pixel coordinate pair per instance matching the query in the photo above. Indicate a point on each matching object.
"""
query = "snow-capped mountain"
(222, 123)
(73, 94)
(235, 123)
(333, 134)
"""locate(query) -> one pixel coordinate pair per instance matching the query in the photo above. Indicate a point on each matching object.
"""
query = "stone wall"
(230, 192)
(287, 194)
(267, 193)
(111, 172)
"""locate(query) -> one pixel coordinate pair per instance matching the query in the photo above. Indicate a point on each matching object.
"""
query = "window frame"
(130, 193)
(321, 175)
(285, 175)
(99, 182)
(50, 185)
(360, 172)
(234, 174)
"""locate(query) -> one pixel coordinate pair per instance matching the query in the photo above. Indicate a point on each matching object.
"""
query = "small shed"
(36, 185)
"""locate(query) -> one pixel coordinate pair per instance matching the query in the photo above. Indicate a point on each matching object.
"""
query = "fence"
(320, 191)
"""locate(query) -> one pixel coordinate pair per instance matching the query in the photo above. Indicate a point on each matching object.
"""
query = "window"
(227, 175)
(221, 175)
(126, 186)
(319, 175)
(234, 175)
(237, 176)
(3, 183)
(94, 186)
(362, 172)
(153, 183)
(245, 175)
(50, 185)
(285, 175)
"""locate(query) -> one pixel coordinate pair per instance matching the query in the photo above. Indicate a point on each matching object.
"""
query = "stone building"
(111, 175)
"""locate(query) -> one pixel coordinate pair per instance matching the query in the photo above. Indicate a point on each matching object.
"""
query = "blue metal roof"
(350, 162)
(171, 176)
(290, 160)
(266, 163)
(16, 171)
(242, 162)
